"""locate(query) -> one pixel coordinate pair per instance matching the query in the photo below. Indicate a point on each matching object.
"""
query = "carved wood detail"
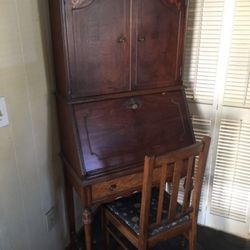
(76, 4)
(177, 3)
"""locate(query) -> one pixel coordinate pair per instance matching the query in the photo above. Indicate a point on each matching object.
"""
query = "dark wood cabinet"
(116, 46)
(118, 66)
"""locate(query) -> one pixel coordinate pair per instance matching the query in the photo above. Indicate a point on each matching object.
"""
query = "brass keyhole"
(112, 187)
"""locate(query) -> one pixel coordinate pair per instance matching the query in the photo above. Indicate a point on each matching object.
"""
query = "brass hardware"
(133, 103)
(112, 187)
(122, 39)
(134, 106)
(80, 3)
(141, 39)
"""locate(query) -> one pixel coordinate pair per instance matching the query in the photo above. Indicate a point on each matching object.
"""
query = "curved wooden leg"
(87, 221)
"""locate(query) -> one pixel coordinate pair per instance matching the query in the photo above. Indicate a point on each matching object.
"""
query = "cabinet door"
(158, 43)
(98, 46)
(118, 133)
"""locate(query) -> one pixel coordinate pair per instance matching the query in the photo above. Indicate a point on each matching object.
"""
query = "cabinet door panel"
(117, 133)
(98, 42)
(157, 40)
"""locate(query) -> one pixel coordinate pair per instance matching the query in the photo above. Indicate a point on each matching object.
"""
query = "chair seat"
(127, 209)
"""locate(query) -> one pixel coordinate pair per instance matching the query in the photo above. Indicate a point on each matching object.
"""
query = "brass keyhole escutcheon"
(112, 187)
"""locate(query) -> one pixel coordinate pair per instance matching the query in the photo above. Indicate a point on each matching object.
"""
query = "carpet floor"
(208, 239)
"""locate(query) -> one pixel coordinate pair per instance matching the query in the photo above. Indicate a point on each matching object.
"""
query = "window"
(202, 49)
(216, 76)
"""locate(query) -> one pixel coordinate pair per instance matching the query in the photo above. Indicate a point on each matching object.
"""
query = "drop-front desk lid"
(119, 132)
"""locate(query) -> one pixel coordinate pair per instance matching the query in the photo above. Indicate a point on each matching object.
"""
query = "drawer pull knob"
(121, 39)
(141, 39)
(133, 104)
(112, 187)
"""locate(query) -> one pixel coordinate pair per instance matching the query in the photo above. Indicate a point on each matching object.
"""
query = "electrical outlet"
(51, 218)
(4, 120)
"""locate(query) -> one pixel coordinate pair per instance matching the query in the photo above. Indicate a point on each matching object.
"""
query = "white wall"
(30, 173)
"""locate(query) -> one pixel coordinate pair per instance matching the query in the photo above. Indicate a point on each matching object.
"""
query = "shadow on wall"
(55, 168)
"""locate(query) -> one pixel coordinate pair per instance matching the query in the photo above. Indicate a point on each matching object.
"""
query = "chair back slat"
(188, 184)
(161, 193)
(146, 195)
(178, 165)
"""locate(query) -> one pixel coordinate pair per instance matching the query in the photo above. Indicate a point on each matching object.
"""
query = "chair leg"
(142, 245)
(105, 233)
(192, 236)
(107, 239)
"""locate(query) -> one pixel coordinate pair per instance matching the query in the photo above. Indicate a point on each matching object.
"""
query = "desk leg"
(87, 221)
(71, 211)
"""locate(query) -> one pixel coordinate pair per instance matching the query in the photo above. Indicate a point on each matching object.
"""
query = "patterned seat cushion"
(127, 209)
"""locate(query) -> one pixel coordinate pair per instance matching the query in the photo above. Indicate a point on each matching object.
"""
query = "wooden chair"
(153, 215)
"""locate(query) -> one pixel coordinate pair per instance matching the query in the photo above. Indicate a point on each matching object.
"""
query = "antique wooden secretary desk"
(118, 70)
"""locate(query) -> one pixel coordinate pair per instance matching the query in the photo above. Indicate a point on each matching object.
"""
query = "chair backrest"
(178, 164)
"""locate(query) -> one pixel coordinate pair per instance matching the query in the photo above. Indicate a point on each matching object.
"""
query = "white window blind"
(237, 88)
(201, 126)
(201, 48)
(231, 184)
(218, 52)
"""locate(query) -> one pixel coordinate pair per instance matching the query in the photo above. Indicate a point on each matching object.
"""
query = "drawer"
(109, 190)
(116, 187)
